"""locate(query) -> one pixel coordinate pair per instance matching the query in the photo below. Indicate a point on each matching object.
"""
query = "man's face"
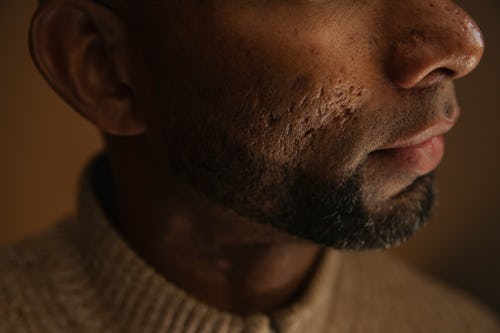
(297, 113)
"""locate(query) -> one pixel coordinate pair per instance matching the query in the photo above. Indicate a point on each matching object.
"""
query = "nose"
(434, 41)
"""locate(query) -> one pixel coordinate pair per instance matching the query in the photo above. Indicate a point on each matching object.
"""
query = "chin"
(342, 220)
(418, 196)
(395, 220)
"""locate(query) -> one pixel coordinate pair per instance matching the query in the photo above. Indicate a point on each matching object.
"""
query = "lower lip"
(420, 159)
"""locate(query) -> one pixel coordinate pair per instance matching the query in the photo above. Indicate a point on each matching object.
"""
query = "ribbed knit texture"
(81, 276)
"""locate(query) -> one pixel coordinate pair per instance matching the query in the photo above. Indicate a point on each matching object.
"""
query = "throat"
(243, 276)
(225, 260)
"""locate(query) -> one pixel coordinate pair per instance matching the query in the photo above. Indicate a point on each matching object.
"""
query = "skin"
(228, 122)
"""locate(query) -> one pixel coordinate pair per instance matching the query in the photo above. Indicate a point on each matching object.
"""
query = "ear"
(80, 48)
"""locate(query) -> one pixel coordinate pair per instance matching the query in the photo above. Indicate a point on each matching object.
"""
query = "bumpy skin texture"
(262, 104)
(297, 113)
(279, 109)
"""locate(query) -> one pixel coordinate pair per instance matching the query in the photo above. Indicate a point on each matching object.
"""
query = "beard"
(335, 215)
(301, 204)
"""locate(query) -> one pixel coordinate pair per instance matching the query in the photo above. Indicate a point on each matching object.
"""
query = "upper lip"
(421, 136)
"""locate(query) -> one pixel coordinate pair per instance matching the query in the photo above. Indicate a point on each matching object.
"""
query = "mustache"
(433, 111)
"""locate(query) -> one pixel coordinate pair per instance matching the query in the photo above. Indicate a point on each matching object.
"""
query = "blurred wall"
(44, 145)
(462, 244)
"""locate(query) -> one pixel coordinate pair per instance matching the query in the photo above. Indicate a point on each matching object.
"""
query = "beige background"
(44, 145)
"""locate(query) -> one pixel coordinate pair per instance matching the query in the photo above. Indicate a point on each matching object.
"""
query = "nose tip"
(445, 45)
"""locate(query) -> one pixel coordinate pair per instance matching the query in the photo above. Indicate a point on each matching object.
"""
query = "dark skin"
(322, 88)
(224, 259)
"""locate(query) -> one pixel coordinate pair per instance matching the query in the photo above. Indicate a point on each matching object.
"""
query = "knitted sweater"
(81, 276)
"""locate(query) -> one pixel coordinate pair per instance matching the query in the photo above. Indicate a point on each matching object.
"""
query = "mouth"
(420, 153)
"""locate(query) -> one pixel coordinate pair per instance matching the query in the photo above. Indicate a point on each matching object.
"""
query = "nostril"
(446, 72)
(435, 77)
(440, 44)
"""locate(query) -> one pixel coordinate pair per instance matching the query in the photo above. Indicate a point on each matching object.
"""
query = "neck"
(223, 259)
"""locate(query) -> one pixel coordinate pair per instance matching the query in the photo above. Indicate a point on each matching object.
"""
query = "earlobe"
(79, 47)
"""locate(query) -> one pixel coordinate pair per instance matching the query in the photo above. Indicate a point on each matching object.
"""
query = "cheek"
(284, 97)
(306, 121)
(278, 108)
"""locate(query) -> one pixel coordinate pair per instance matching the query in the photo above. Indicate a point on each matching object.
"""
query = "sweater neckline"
(132, 292)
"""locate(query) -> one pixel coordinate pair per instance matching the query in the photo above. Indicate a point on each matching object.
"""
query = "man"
(247, 144)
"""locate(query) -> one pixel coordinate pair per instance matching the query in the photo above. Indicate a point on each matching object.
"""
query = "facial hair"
(305, 205)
